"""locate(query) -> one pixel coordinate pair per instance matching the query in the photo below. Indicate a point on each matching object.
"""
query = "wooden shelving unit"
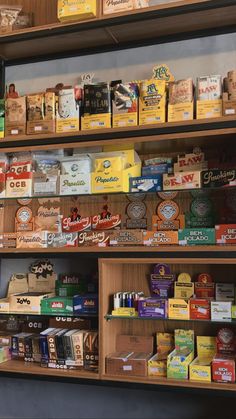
(125, 267)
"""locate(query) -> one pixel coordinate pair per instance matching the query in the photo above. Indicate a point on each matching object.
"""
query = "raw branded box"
(29, 303)
(178, 309)
(162, 286)
(149, 183)
(182, 180)
(57, 305)
(223, 368)
(225, 234)
(160, 238)
(215, 178)
(62, 240)
(221, 310)
(180, 112)
(200, 309)
(200, 368)
(193, 236)
(209, 108)
(152, 307)
(225, 292)
(85, 304)
(79, 185)
(126, 238)
(131, 356)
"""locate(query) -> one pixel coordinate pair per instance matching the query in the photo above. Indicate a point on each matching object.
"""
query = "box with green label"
(197, 236)
(70, 285)
(57, 305)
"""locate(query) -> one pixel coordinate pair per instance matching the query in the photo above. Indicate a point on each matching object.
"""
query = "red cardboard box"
(223, 368)
(226, 234)
(200, 309)
(206, 290)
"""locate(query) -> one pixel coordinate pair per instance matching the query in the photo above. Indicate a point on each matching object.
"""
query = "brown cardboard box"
(29, 303)
(41, 284)
(41, 127)
(229, 107)
(131, 358)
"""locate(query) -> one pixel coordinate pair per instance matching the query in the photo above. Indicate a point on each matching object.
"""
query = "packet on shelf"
(111, 171)
(179, 359)
(221, 310)
(184, 288)
(223, 368)
(152, 307)
(110, 7)
(218, 178)
(181, 105)
(75, 176)
(152, 183)
(76, 9)
(15, 116)
(209, 97)
(97, 106)
(67, 115)
(160, 238)
(126, 238)
(225, 340)
(85, 304)
(29, 303)
(31, 240)
(182, 180)
(200, 309)
(200, 368)
(225, 292)
(162, 286)
(226, 234)
(93, 238)
(105, 220)
(152, 102)
(124, 105)
(192, 161)
(19, 179)
(204, 286)
(157, 365)
(75, 222)
(57, 305)
(178, 309)
(193, 236)
(62, 239)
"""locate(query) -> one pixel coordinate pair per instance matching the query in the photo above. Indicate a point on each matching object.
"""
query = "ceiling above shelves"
(159, 24)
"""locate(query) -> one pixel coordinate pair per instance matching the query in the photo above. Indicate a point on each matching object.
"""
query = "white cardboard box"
(79, 185)
(225, 292)
(221, 310)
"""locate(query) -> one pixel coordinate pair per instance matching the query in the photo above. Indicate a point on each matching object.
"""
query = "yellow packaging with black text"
(178, 309)
(111, 171)
(209, 108)
(152, 102)
(76, 9)
(200, 368)
(180, 112)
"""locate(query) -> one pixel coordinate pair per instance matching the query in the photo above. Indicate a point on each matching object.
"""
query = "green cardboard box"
(57, 305)
(197, 236)
(70, 285)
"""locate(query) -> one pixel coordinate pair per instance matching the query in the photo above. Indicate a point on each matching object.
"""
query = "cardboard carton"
(28, 303)
(200, 368)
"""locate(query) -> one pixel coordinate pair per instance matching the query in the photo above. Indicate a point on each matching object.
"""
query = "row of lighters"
(127, 299)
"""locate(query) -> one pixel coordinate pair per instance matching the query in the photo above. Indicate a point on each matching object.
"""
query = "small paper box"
(200, 368)
(85, 304)
(57, 305)
(209, 109)
(146, 184)
(226, 234)
(194, 236)
(223, 368)
(178, 309)
(160, 238)
(41, 284)
(76, 9)
(45, 184)
(221, 311)
(153, 307)
(225, 292)
(19, 186)
(79, 185)
(182, 180)
(41, 127)
(178, 364)
(180, 112)
(28, 303)
(157, 366)
(200, 309)
(229, 107)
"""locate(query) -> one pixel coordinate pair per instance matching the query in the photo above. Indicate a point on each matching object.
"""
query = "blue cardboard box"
(85, 304)
(146, 183)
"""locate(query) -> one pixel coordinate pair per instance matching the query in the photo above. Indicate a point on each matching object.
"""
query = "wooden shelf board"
(130, 250)
(172, 383)
(21, 367)
(161, 136)
(162, 23)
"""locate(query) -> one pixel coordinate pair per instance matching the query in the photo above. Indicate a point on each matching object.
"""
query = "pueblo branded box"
(131, 356)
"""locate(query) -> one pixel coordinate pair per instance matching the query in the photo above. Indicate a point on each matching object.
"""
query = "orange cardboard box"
(160, 238)
(226, 234)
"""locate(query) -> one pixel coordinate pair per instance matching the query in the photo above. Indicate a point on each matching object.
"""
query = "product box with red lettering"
(182, 180)
(226, 234)
(223, 368)
(200, 309)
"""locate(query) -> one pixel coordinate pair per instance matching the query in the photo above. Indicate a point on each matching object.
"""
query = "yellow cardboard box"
(76, 9)
(157, 366)
(125, 120)
(152, 102)
(200, 368)
(209, 109)
(184, 290)
(98, 121)
(178, 362)
(178, 309)
(180, 112)
(233, 312)
(116, 180)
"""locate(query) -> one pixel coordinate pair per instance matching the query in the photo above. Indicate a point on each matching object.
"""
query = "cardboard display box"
(28, 303)
(223, 368)
(200, 309)
(131, 356)
(200, 368)
(178, 309)
(57, 305)
(85, 304)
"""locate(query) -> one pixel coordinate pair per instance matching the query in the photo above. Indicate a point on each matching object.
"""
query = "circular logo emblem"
(24, 201)
(226, 335)
(167, 195)
(184, 277)
(136, 210)
(24, 215)
(201, 207)
(136, 196)
(204, 278)
(162, 269)
(168, 210)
